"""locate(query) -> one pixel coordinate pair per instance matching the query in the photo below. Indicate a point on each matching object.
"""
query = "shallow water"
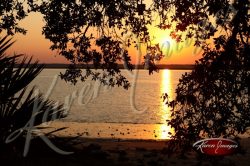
(94, 103)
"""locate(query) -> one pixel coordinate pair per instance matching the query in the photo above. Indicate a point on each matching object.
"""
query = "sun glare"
(166, 87)
(160, 37)
(163, 40)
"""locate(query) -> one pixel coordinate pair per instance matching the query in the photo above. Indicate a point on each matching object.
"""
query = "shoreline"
(114, 131)
(120, 66)
(109, 151)
(121, 131)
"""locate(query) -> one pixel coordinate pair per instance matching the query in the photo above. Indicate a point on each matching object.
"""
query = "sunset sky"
(34, 44)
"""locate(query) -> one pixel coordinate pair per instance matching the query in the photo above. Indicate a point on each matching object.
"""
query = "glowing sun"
(163, 40)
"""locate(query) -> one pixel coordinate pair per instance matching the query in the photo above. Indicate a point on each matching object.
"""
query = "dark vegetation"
(18, 107)
(211, 101)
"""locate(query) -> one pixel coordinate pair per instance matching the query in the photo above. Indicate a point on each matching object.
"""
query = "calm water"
(92, 103)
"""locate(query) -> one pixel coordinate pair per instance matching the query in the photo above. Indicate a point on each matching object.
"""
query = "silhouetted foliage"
(11, 12)
(88, 32)
(17, 107)
(213, 100)
(94, 32)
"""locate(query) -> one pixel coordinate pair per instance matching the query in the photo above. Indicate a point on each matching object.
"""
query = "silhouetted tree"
(88, 32)
(95, 32)
(212, 100)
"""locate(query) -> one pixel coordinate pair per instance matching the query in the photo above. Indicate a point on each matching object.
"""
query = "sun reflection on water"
(166, 87)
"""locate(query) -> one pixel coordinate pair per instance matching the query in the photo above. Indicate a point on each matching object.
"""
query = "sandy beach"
(110, 147)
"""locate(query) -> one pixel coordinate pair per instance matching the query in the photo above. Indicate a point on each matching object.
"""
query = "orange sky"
(34, 44)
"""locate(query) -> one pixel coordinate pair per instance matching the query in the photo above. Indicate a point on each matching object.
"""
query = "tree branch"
(241, 37)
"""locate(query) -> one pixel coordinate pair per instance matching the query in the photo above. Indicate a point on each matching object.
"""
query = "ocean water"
(90, 102)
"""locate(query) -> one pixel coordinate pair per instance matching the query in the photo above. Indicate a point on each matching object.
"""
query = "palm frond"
(18, 108)
(4, 45)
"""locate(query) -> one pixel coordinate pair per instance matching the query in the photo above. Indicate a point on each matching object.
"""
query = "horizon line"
(121, 66)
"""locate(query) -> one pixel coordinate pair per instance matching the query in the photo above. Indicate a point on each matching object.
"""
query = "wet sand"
(110, 130)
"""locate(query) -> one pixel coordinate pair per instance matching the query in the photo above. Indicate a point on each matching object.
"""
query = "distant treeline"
(160, 66)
